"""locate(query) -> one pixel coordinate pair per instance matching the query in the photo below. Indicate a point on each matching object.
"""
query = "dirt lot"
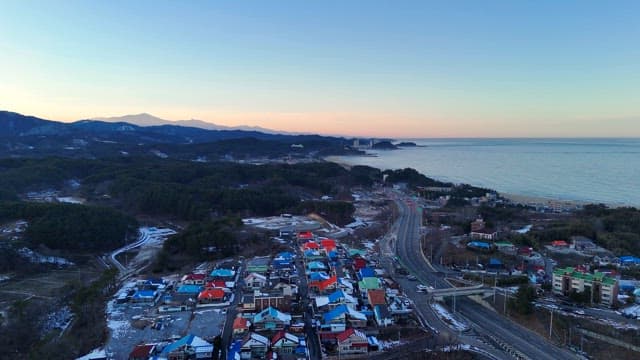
(44, 286)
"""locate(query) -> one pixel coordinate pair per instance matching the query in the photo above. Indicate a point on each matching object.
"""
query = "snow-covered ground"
(59, 320)
(94, 354)
(70, 200)
(35, 257)
(149, 241)
(448, 318)
(279, 222)
(524, 230)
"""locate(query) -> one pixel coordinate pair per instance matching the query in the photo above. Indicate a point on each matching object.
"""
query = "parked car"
(412, 278)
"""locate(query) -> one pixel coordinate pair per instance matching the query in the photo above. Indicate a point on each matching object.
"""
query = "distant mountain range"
(22, 135)
(145, 119)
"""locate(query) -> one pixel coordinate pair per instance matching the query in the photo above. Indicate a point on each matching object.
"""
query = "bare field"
(45, 285)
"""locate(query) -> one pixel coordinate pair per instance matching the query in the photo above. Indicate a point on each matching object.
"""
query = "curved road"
(484, 321)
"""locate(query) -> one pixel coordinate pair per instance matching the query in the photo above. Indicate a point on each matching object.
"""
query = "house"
(259, 265)
(286, 289)
(189, 289)
(629, 260)
(283, 260)
(382, 315)
(316, 266)
(506, 247)
(240, 325)
(334, 299)
(144, 296)
(359, 263)
(284, 343)
(479, 245)
(194, 279)
(366, 272)
(318, 276)
(255, 281)
(599, 287)
(216, 284)
(352, 341)
(559, 244)
(271, 319)
(328, 245)
(484, 234)
(495, 264)
(366, 284)
(224, 274)
(190, 346)
(212, 295)
(335, 320)
(376, 297)
(272, 298)
(310, 245)
(151, 283)
(305, 235)
(142, 352)
(254, 346)
(582, 243)
(324, 285)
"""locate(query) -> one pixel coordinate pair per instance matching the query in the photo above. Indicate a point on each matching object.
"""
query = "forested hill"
(184, 190)
(29, 136)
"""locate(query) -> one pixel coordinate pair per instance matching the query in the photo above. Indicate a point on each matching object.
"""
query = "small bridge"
(440, 294)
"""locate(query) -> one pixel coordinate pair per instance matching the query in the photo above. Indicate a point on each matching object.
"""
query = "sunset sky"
(379, 68)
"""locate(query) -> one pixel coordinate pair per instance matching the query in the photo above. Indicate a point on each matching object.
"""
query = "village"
(325, 294)
(317, 298)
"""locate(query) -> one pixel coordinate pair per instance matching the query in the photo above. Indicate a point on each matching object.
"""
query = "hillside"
(28, 136)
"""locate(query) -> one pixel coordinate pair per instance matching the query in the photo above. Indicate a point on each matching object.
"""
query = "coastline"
(517, 199)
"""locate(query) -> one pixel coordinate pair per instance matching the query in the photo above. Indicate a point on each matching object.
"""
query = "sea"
(584, 170)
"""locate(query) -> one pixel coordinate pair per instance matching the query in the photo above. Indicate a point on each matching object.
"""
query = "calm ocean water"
(593, 170)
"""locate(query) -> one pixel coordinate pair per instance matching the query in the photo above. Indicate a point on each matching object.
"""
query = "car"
(579, 312)
(421, 288)
(411, 277)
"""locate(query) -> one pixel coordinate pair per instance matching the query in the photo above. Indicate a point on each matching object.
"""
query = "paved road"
(232, 312)
(313, 343)
(484, 321)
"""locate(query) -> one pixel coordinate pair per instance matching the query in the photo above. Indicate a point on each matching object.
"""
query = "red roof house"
(559, 243)
(194, 279)
(352, 341)
(216, 284)
(141, 352)
(240, 325)
(324, 285)
(359, 263)
(211, 295)
(328, 244)
(310, 245)
(305, 235)
(376, 297)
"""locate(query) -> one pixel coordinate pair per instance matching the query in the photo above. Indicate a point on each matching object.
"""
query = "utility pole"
(454, 300)
(431, 256)
(505, 301)
(551, 324)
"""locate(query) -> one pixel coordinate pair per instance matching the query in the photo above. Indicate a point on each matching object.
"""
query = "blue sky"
(384, 68)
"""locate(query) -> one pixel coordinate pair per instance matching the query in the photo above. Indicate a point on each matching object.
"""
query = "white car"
(421, 288)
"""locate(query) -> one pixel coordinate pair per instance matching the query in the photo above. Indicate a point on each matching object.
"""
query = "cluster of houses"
(320, 289)
(187, 347)
(201, 288)
(269, 324)
(349, 298)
